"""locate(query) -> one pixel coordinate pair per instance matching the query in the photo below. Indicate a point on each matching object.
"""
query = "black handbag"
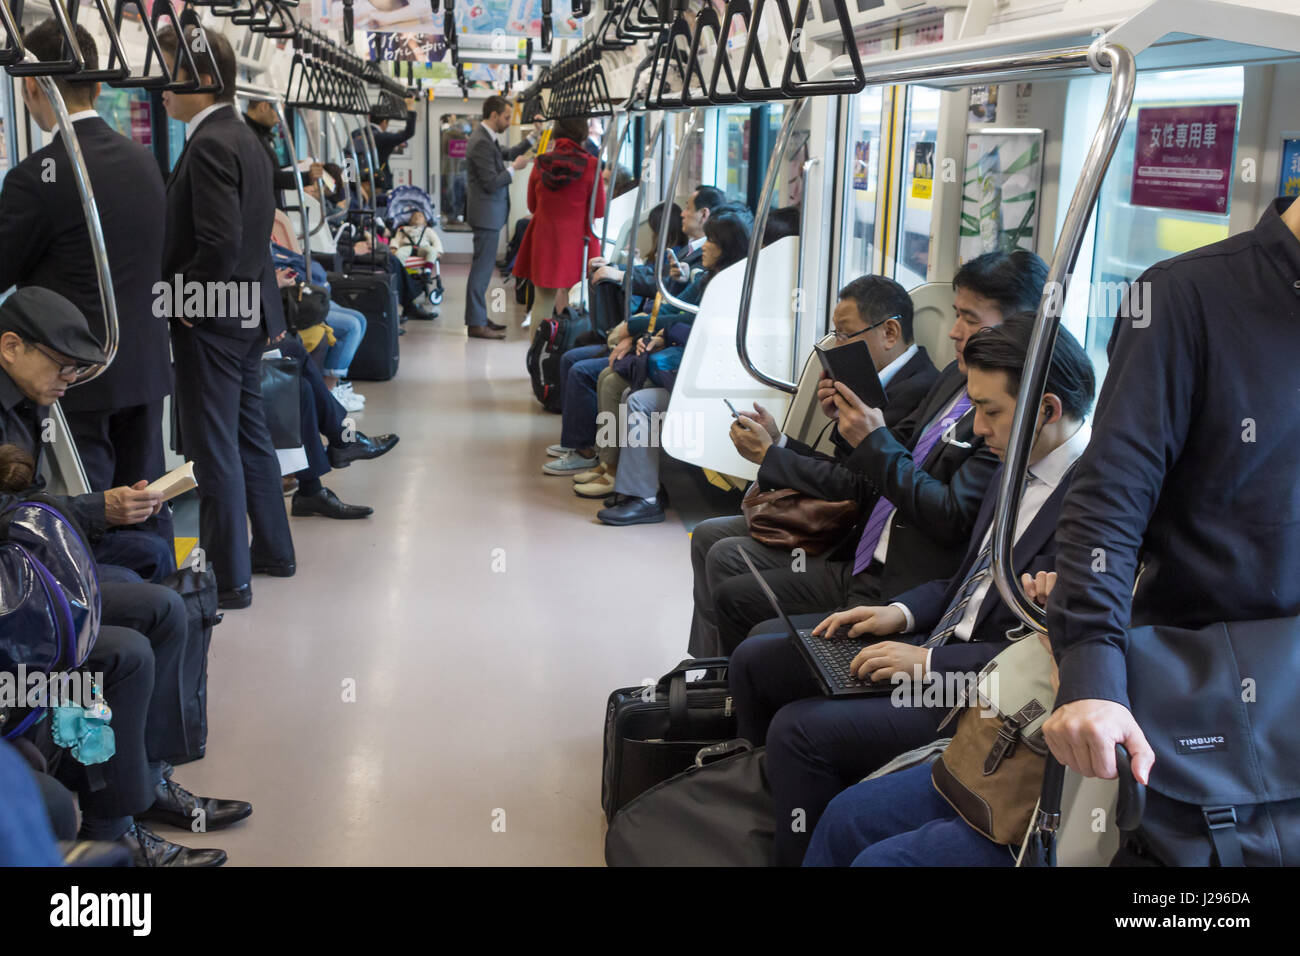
(305, 305)
(718, 812)
(280, 400)
(652, 733)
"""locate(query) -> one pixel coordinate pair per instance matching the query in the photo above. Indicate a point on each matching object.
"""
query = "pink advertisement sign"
(456, 148)
(1184, 157)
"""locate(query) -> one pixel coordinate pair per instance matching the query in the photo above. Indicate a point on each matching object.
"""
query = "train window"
(912, 238)
(1137, 227)
(863, 152)
(456, 130)
(128, 111)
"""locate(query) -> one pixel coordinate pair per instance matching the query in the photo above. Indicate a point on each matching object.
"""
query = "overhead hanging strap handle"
(143, 80)
(108, 73)
(752, 44)
(706, 19)
(794, 58)
(736, 9)
(73, 63)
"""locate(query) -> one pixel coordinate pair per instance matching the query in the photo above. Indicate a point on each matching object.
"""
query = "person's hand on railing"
(764, 418)
(857, 419)
(751, 439)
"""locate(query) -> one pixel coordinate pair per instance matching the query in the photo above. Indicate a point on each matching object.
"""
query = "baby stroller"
(417, 245)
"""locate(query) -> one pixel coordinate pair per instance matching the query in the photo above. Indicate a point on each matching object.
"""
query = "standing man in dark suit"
(262, 120)
(115, 419)
(385, 143)
(487, 206)
(1194, 474)
(816, 746)
(219, 216)
(919, 484)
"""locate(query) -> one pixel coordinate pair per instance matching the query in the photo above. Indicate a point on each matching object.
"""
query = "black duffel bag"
(198, 589)
(1218, 705)
(652, 733)
(305, 305)
(281, 401)
(718, 812)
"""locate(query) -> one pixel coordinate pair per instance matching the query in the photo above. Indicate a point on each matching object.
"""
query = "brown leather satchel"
(789, 519)
(992, 772)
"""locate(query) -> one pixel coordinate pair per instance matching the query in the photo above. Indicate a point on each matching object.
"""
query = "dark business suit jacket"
(280, 178)
(1035, 551)
(487, 198)
(44, 242)
(935, 504)
(220, 209)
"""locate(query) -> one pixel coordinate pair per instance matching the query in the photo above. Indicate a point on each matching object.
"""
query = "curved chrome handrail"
(801, 289)
(1119, 101)
(611, 158)
(98, 249)
(756, 243)
(629, 255)
(694, 126)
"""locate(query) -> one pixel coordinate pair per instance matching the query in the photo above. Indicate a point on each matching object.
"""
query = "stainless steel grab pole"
(611, 159)
(756, 243)
(1123, 76)
(297, 185)
(804, 299)
(629, 255)
(98, 250)
(694, 126)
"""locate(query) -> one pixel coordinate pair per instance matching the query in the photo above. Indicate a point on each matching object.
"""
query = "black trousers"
(819, 588)
(816, 746)
(139, 650)
(119, 447)
(223, 430)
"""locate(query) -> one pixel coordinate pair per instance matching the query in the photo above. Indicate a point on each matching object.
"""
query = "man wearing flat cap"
(45, 344)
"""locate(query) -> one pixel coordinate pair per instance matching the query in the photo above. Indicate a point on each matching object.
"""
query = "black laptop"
(828, 660)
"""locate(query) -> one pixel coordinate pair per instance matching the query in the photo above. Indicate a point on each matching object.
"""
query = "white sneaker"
(528, 320)
(557, 450)
(570, 464)
(349, 399)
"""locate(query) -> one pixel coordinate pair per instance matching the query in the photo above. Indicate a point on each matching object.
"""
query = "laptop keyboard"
(835, 658)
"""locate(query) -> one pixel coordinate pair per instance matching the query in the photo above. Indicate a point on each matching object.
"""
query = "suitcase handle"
(715, 752)
(697, 664)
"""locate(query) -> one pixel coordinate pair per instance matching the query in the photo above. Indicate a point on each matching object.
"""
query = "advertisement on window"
(1290, 184)
(1000, 191)
(1183, 158)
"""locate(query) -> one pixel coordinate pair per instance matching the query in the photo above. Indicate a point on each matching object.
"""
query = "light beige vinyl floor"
(480, 618)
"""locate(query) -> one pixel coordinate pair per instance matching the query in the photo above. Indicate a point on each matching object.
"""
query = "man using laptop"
(817, 746)
(919, 483)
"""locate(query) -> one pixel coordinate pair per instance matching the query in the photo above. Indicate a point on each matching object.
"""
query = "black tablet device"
(852, 365)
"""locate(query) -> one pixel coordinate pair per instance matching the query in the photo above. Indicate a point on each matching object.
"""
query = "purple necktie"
(884, 508)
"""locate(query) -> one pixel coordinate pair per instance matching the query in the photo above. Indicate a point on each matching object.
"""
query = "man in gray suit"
(487, 205)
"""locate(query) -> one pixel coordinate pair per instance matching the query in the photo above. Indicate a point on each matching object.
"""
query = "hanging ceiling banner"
(416, 47)
(485, 18)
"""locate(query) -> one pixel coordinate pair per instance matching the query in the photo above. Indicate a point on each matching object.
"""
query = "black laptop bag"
(652, 733)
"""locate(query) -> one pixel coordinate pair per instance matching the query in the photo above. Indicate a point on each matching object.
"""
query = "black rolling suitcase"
(653, 733)
(375, 297)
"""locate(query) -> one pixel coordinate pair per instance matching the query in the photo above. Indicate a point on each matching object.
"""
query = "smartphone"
(673, 256)
(734, 413)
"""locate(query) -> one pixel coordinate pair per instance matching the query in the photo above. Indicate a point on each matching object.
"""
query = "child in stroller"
(415, 243)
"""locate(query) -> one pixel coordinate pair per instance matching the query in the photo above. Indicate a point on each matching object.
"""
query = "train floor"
(430, 687)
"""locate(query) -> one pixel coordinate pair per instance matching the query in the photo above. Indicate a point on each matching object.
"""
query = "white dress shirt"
(1044, 477)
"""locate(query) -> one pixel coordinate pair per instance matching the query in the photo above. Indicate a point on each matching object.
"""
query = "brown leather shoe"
(483, 332)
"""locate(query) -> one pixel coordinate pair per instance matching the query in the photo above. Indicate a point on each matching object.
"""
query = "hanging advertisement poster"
(1290, 180)
(1001, 191)
(862, 164)
(923, 171)
(475, 18)
(417, 47)
(1183, 158)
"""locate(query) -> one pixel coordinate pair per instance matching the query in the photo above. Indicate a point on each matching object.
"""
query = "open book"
(175, 482)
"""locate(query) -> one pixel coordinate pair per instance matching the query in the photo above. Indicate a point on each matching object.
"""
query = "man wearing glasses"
(919, 481)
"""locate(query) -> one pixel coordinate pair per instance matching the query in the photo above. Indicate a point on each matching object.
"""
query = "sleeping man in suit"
(220, 210)
(487, 204)
(817, 746)
(918, 482)
(116, 418)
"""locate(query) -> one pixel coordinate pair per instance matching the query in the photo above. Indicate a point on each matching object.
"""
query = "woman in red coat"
(559, 241)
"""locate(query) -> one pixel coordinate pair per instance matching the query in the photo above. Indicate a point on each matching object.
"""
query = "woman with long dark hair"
(559, 240)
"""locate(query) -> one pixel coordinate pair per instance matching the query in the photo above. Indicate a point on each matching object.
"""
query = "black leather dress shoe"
(275, 569)
(149, 849)
(632, 511)
(361, 448)
(495, 325)
(326, 504)
(177, 807)
(236, 598)
(415, 313)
